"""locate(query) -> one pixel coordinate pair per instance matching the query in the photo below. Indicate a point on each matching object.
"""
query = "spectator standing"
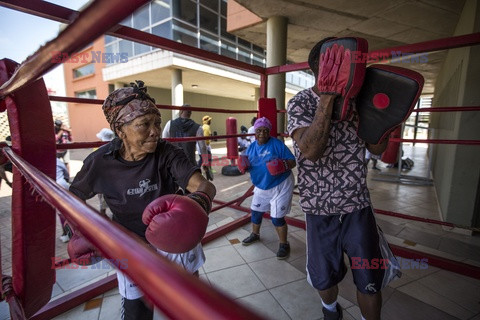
(207, 120)
(243, 142)
(182, 127)
(63, 135)
(63, 179)
(251, 130)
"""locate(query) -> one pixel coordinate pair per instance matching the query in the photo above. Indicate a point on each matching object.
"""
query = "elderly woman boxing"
(140, 174)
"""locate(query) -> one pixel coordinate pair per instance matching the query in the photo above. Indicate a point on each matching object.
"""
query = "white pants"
(277, 200)
(191, 261)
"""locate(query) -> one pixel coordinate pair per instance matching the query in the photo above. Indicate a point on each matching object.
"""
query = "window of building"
(127, 21)
(208, 43)
(258, 50)
(244, 43)
(258, 60)
(112, 48)
(185, 34)
(125, 47)
(109, 39)
(223, 7)
(88, 94)
(212, 4)
(141, 17)
(139, 48)
(163, 30)
(185, 10)
(243, 55)
(208, 20)
(229, 49)
(161, 10)
(84, 71)
(197, 23)
(224, 33)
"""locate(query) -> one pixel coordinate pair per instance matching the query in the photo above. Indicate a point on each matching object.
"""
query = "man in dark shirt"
(183, 126)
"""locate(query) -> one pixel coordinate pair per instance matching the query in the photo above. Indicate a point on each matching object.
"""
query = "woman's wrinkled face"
(262, 134)
(141, 135)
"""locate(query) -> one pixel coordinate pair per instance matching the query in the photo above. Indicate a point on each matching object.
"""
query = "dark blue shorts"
(328, 237)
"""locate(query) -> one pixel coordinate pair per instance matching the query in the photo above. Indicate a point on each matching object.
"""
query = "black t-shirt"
(129, 186)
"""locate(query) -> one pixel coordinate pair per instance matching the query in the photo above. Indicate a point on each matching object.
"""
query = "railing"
(178, 294)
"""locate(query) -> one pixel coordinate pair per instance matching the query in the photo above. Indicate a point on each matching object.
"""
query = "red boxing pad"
(81, 251)
(387, 98)
(350, 54)
(175, 223)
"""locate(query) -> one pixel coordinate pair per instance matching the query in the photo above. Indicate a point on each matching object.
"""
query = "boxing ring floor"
(278, 289)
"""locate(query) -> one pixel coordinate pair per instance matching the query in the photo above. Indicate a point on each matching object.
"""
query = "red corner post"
(267, 107)
(33, 222)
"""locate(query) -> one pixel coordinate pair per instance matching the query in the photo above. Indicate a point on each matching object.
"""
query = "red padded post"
(267, 107)
(390, 155)
(232, 143)
(33, 222)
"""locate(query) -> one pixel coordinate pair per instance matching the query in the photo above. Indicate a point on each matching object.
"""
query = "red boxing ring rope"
(159, 106)
(89, 28)
(438, 141)
(96, 144)
(178, 294)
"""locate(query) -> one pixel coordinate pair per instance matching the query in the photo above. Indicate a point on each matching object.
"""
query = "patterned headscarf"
(262, 122)
(125, 104)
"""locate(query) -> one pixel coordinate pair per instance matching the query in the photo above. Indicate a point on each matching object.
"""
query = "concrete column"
(277, 55)
(257, 96)
(177, 91)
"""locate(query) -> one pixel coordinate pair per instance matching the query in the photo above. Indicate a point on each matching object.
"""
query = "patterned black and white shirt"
(335, 183)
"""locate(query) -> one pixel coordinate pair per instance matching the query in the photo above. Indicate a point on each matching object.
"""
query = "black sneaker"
(251, 239)
(283, 251)
(330, 315)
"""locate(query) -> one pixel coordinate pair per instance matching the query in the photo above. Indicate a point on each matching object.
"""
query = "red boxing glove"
(277, 166)
(243, 164)
(334, 70)
(81, 251)
(175, 223)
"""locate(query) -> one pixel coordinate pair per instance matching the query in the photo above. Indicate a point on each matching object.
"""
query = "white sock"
(330, 307)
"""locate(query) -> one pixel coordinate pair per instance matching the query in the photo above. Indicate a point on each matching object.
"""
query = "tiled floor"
(278, 289)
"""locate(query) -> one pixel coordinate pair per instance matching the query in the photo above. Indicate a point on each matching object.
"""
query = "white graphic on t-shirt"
(264, 153)
(144, 187)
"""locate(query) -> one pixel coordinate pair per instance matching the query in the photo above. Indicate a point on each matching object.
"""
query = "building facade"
(173, 79)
